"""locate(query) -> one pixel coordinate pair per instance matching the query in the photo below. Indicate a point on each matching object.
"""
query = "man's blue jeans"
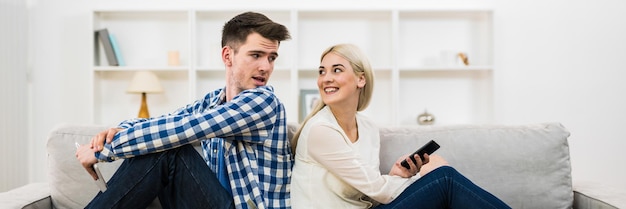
(444, 187)
(179, 177)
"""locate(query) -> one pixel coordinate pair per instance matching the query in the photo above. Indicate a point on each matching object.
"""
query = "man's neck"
(231, 93)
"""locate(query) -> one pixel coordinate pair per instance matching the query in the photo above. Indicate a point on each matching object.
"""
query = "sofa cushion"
(527, 166)
(70, 185)
(598, 196)
(30, 196)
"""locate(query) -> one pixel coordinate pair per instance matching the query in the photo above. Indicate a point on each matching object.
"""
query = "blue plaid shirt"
(250, 129)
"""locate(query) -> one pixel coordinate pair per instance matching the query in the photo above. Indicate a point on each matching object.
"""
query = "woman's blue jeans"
(179, 177)
(444, 187)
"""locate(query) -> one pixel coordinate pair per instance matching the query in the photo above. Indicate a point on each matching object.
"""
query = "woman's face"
(337, 82)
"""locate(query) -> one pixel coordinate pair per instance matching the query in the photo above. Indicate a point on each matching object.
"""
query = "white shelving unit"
(411, 50)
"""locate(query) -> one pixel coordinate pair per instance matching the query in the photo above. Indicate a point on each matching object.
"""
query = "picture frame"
(308, 100)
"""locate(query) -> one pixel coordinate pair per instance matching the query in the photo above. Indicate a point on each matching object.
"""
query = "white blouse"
(332, 172)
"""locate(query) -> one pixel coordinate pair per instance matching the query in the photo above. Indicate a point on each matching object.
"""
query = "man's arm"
(106, 136)
(181, 111)
(251, 113)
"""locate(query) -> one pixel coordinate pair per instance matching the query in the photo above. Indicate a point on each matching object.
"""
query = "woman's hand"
(435, 161)
(414, 167)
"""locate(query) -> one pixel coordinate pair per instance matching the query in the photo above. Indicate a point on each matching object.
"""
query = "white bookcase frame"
(407, 47)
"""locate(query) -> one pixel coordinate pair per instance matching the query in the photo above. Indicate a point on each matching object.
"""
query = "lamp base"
(143, 110)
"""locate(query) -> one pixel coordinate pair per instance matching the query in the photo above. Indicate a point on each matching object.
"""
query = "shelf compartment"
(378, 109)
(208, 37)
(433, 38)
(113, 104)
(461, 97)
(369, 30)
(146, 37)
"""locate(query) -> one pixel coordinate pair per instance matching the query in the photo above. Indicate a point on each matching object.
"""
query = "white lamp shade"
(144, 82)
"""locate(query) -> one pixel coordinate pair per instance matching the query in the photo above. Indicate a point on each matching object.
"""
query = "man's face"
(252, 64)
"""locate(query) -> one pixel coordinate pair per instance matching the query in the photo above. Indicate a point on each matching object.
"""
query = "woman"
(334, 166)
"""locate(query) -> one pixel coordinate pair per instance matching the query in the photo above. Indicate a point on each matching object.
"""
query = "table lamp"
(144, 82)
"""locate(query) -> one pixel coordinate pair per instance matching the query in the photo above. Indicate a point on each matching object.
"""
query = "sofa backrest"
(527, 166)
(70, 185)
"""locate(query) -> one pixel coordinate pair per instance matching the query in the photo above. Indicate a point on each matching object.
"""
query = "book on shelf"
(116, 50)
(105, 40)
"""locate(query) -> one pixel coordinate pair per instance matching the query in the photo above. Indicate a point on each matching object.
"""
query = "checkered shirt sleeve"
(251, 113)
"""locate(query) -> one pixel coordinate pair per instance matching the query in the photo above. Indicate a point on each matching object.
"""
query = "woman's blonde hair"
(361, 65)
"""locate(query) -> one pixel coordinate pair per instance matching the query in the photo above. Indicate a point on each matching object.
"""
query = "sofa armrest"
(594, 196)
(30, 196)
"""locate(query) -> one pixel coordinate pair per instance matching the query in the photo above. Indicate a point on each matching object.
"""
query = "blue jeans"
(444, 187)
(179, 177)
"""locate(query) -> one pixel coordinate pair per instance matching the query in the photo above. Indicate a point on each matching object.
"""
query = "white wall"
(564, 61)
(59, 30)
(555, 61)
(13, 91)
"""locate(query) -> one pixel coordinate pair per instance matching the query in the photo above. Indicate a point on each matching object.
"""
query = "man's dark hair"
(237, 29)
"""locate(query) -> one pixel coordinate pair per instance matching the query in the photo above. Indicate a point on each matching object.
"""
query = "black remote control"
(428, 148)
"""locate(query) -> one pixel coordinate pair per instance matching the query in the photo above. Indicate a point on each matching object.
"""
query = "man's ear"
(227, 56)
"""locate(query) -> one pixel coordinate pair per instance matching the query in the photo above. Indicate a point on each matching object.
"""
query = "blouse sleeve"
(328, 147)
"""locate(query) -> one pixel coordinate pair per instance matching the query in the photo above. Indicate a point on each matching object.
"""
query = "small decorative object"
(144, 82)
(173, 58)
(453, 58)
(425, 118)
(463, 58)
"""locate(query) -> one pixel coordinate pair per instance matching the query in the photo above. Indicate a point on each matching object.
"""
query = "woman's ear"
(361, 82)
(226, 56)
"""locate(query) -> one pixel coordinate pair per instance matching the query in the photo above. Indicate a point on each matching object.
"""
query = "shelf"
(451, 69)
(133, 68)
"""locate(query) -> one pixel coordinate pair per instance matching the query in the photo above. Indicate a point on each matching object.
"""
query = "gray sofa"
(527, 166)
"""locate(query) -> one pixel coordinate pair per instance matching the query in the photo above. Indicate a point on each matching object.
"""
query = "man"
(242, 128)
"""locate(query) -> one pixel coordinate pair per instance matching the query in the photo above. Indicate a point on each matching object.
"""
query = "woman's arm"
(329, 148)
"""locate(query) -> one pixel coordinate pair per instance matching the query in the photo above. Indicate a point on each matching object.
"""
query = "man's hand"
(414, 167)
(86, 153)
(87, 158)
(97, 142)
